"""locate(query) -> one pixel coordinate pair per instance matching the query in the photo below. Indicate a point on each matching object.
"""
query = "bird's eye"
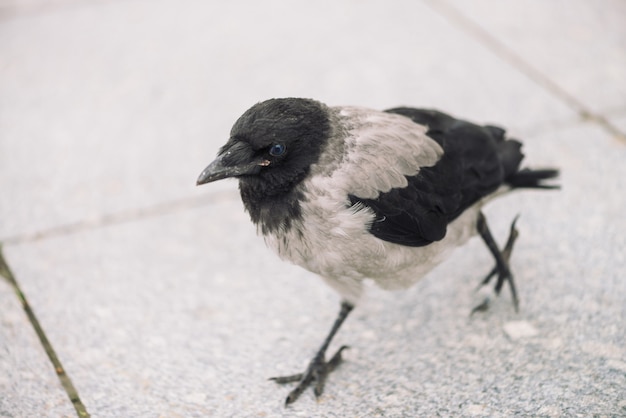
(277, 150)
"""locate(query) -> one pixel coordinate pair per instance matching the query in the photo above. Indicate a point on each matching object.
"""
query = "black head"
(271, 149)
(272, 145)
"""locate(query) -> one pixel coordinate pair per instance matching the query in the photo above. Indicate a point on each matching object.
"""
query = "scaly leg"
(502, 261)
(318, 368)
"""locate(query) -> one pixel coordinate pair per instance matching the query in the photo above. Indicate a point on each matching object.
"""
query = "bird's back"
(475, 162)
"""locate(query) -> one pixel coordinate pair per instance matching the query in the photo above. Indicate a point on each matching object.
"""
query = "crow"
(351, 193)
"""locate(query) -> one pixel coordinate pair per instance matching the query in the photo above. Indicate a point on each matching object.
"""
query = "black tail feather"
(528, 178)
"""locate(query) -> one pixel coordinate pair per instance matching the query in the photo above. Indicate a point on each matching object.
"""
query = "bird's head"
(272, 145)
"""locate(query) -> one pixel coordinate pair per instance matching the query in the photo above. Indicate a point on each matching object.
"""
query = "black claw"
(293, 395)
(320, 381)
(482, 307)
(287, 379)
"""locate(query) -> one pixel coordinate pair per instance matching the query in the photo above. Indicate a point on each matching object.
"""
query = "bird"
(353, 194)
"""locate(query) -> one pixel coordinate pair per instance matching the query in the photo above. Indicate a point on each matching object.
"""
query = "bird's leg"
(506, 255)
(502, 261)
(318, 368)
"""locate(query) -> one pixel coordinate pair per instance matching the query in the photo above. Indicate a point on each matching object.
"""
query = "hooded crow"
(351, 194)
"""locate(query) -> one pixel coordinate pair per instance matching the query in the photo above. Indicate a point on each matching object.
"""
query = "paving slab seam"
(125, 216)
(64, 378)
(474, 29)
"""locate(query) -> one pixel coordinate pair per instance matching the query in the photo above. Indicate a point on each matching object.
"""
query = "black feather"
(476, 161)
(527, 178)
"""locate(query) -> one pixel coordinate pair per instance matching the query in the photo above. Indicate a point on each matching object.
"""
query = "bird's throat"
(271, 212)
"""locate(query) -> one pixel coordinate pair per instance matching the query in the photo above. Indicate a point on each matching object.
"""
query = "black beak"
(217, 170)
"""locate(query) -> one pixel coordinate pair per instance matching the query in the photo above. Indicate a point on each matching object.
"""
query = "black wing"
(476, 161)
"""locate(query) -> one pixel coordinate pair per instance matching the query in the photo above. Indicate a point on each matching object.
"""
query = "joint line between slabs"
(130, 215)
(507, 54)
(64, 378)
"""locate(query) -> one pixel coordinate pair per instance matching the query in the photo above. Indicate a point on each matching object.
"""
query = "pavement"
(129, 292)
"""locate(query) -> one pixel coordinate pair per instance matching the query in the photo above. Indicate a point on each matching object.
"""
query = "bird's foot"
(501, 269)
(317, 372)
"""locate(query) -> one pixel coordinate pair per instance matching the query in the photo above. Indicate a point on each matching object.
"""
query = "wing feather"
(437, 187)
(381, 151)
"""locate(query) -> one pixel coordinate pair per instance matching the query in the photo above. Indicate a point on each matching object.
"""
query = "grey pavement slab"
(109, 110)
(29, 386)
(113, 106)
(174, 336)
(190, 314)
(578, 45)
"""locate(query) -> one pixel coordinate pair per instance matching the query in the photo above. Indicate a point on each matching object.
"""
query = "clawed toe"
(317, 372)
(481, 307)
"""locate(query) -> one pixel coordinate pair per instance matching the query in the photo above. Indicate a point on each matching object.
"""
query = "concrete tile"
(125, 115)
(178, 332)
(190, 314)
(578, 45)
(29, 386)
